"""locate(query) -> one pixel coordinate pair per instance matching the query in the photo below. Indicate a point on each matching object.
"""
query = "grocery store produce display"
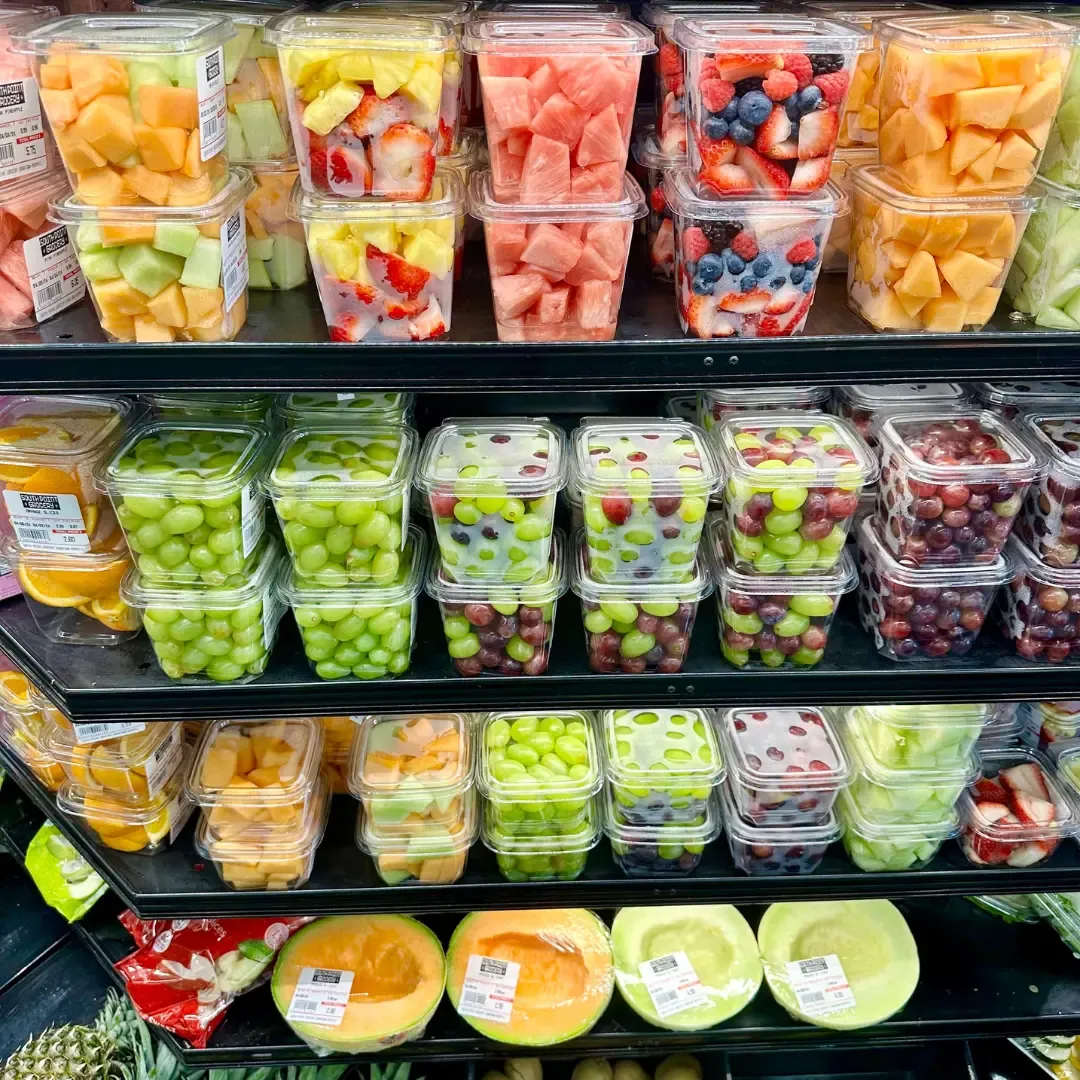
(659, 850)
(862, 404)
(920, 736)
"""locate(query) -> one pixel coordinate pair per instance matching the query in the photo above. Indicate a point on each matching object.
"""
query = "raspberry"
(745, 246)
(716, 94)
(657, 200)
(833, 87)
(799, 65)
(667, 59)
(339, 333)
(694, 244)
(801, 252)
(709, 70)
(780, 85)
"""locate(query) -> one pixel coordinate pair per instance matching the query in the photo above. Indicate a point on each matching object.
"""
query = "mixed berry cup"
(491, 485)
(1009, 399)
(786, 764)
(1049, 522)
(1040, 607)
(746, 267)
(716, 405)
(861, 404)
(891, 848)
(952, 485)
(793, 486)
(764, 100)
(659, 226)
(922, 613)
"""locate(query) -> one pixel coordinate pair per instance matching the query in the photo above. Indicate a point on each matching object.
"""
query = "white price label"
(234, 264)
(673, 984)
(820, 985)
(210, 88)
(22, 130)
(252, 517)
(346, 397)
(321, 996)
(273, 609)
(88, 734)
(56, 281)
(164, 761)
(47, 522)
(489, 988)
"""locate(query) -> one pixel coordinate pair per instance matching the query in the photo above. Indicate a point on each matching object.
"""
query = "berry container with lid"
(653, 163)
(548, 856)
(715, 406)
(952, 485)
(1009, 399)
(1049, 523)
(920, 736)
(863, 403)
(1039, 609)
(891, 848)
(838, 247)
(333, 409)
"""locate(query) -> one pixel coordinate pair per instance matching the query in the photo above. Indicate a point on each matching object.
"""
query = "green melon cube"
(175, 237)
(185, 71)
(262, 130)
(236, 48)
(235, 146)
(100, 265)
(147, 269)
(88, 237)
(202, 270)
(288, 265)
(1054, 319)
(258, 278)
(261, 249)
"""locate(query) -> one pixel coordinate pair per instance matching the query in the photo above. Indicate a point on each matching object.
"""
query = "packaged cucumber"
(65, 880)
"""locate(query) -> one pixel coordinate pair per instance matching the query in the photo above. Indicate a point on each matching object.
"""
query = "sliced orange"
(14, 686)
(50, 481)
(90, 582)
(91, 516)
(114, 613)
(39, 585)
(15, 475)
(21, 432)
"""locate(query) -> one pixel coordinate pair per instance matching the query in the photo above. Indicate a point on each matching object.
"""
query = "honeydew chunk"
(260, 248)
(235, 146)
(943, 234)
(329, 109)
(924, 132)
(982, 307)
(891, 138)
(1000, 67)
(1027, 257)
(262, 129)
(390, 70)
(258, 278)
(287, 265)
(967, 144)
(168, 307)
(202, 268)
(147, 330)
(236, 48)
(1036, 104)
(119, 298)
(147, 269)
(947, 314)
(885, 312)
(185, 75)
(88, 237)
(988, 106)
(176, 237)
(982, 168)
(99, 265)
(1056, 319)
(921, 277)
(967, 274)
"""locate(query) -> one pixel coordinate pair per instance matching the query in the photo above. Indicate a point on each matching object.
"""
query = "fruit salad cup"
(659, 226)
(557, 272)
(31, 151)
(1051, 722)
(793, 487)
(188, 498)
(713, 406)
(775, 849)
(968, 98)
(504, 629)
(549, 856)
(230, 408)
(559, 95)
(1017, 813)
(366, 629)
(920, 736)
(491, 485)
(49, 449)
(920, 263)
(762, 622)
(861, 404)
(838, 246)
(765, 99)
(220, 633)
(363, 407)
(893, 848)
(952, 485)
(137, 103)
(276, 249)
(370, 99)
(1039, 610)
(338, 732)
(659, 850)
(385, 268)
(925, 613)
(1049, 522)
(661, 764)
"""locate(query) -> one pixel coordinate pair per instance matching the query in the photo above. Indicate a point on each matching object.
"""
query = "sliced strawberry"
(317, 164)
(400, 275)
(1028, 778)
(746, 303)
(985, 788)
(983, 849)
(769, 326)
(701, 315)
(810, 175)
(403, 158)
(349, 328)
(446, 139)
(716, 152)
(1032, 810)
(694, 243)
(1027, 854)
(366, 294)
(993, 811)
(734, 67)
(773, 132)
(402, 309)
(429, 323)
(817, 133)
(727, 180)
(765, 174)
(790, 321)
(375, 114)
(784, 299)
(657, 200)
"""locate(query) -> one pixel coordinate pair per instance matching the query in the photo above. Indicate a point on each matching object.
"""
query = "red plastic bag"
(186, 972)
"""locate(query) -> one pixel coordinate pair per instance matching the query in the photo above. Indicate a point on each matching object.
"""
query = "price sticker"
(321, 996)
(820, 985)
(210, 90)
(489, 988)
(47, 522)
(56, 279)
(252, 517)
(22, 130)
(89, 734)
(673, 984)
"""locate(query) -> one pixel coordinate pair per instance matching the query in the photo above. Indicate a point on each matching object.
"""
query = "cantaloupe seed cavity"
(552, 967)
(383, 969)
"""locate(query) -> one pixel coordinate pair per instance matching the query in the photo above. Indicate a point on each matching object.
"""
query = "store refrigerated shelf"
(284, 347)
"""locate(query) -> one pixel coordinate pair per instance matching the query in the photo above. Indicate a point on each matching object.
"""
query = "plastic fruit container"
(775, 849)
(838, 244)
(341, 500)
(277, 253)
(746, 267)
(786, 764)
(491, 485)
(1009, 399)
(777, 138)
(223, 633)
(187, 496)
(637, 627)
(25, 726)
(920, 736)
(306, 409)
(930, 263)
(1016, 814)
(338, 732)
(45, 768)
(559, 130)
(659, 850)
(364, 628)
(549, 856)
(1049, 522)
(952, 485)
(30, 148)
(662, 764)
(1067, 763)
(968, 98)
(659, 226)
(644, 486)
(793, 486)
(1005, 726)
(366, 99)
(863, 403)
(232, 408)
(137, 103)
(924, 613)
(504, 629)
(427, 852)
(165, 273)
(715, 405)
(50, 446)
(557, 271)
(891, 848)
(1053, 722)
(1040, 607)
(762, 622)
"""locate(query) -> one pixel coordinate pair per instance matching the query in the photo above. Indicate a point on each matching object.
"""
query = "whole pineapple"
(73, 1052)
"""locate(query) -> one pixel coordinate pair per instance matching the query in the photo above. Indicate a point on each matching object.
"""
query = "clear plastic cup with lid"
(659, 227)
(25, 726)
(1049, 522)
(339, 733)
(1039, 608)
(838, 246)
(895, 847)
(261, 829)
(714, 406)
(277, 248)
(335, 408)
(862, 403)
(32, 150)
(921, 736)
(549, 856)
(1010, 398)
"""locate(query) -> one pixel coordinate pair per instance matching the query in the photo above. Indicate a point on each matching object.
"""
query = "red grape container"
(1040, 608)
(952, 484)
(1049, 522)
(1009, 399)
(922, 613)
(863, 403)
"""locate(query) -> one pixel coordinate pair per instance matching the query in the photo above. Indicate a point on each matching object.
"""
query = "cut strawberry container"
(861, 404)
(968, 98)
(277, 253)
(557, 272)
(747, 266)
(1049, 522)
(1017, 813)
(1039, 609)
(137, 103)
(712, 406)
(838, 247)
(332, 409)
(385, 268)
(32, 151)
(1009, 399)
(878, 848)
(764, 100)
(659, 226)
(367, 99)
(930, 263)
(559, 96)
(920, 736)
(463, 162)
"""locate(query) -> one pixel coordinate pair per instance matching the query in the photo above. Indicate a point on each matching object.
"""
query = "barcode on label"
(305, 1006)
(665, 997)
(34, 534)
(232, 282)
(211, 126)
(7, 153)
(474, 999)
(50, 292)
(813, 998)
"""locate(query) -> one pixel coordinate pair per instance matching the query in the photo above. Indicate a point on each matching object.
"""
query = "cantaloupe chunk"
(967, 144)
(912, 304)
(193, 163)
(169, 106)
(988, 106)
(947, 314)
(862, 83)
(885, 312)
(265, 776)
(943, 233)
(920, 277)
(148, 185)
(950, 73)
(162, 149)
(1016, 152)
(106, 124)
(1011, 178)
(924, 132)
(929, 173)
(983, 306)
(79, 156)
(169, 309)
(898, 253)
(60, 106)
(113, 235)
(203, 305)
(988, 233)
(189, 191)
(245, 749)
(967, 274)
(92, 75)
(117, 297)
(1000, 67)
(896, 225)
(219, 763)
(148, 329)
(1036, 104)
(54, 77)
(982, 168)
(869, 118)
(891, 138)
(1037, 134)
(120, 327)
(255, 225)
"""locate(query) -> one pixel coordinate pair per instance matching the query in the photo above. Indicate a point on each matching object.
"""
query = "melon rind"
(322, 1037)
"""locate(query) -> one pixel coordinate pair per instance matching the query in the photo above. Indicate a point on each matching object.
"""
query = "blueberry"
(755, 107)
(735, 264)
(809, 99)
(762, 265)
(807, 285)
(741, 133)
(797, 274)
(690, 268)
(777, 283)
(701, 286)
(749, 282)
(791, 107)
(731, 110)
(711, 267)
(811, 263)
(715, 127)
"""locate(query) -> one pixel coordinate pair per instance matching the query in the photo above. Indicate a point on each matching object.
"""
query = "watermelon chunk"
(13, 267)
(505, 241)
(573, 228)
(590, 81)
(591, 266)
(611, 240)
(544, 83)
(597, 183)
(602, 139)
(514, 294)
(545, 176)
(504, 165)
(517, 144)
(500, 64)
(552, 306)
(529, 268)
(560, 119)
(510, 100)
(9, 228)
(593, 304)
(551, 249)
(15, 307)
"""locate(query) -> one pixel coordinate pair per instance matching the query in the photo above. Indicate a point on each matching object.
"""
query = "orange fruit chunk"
(39, 585)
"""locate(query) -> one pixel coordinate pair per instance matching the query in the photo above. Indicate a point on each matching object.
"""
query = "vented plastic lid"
(661, 748)
(133, 34)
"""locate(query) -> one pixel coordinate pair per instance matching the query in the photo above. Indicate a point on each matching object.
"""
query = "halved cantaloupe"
(566, 978)
(399, 972)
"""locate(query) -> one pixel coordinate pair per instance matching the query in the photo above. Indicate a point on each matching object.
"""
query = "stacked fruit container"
(24, 725)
